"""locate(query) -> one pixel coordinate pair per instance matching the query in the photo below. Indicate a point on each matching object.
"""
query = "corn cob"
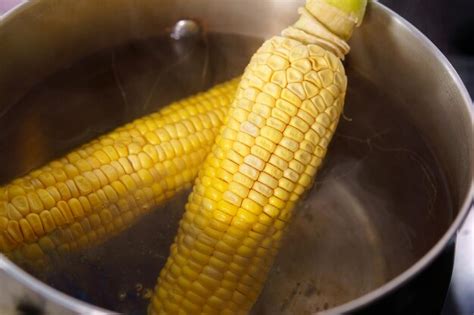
(266, 155)
(101, 188)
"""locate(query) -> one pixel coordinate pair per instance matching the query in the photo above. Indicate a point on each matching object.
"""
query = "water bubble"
(138, 287)
(147, 294)
(122, 295)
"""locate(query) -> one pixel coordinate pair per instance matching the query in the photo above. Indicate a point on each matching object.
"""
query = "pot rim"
(51, 294)
(79, 306)
(11, 11)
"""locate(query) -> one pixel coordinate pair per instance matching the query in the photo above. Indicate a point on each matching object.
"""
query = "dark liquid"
(380, 201)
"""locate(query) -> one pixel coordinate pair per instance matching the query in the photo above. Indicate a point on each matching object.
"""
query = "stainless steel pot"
(395, 189)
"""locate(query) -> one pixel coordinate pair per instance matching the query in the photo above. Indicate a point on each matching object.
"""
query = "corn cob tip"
(339, 17)
(353, 8)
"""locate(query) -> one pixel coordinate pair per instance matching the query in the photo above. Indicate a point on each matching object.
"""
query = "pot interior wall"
(381, 201)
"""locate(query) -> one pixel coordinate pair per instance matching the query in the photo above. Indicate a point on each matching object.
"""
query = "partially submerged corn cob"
(266, 155)
(99, 189)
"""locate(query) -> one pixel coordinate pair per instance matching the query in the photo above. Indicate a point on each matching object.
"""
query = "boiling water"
(379, 203)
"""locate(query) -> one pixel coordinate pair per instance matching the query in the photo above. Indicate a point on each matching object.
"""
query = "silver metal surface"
(380, 210)
(428, 87)
(462, 287)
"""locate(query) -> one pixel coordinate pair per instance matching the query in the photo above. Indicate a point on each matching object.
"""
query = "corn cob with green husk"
(266, 155)
(101, 188)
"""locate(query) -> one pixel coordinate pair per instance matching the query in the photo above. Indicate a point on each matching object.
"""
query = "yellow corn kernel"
(27, 231)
